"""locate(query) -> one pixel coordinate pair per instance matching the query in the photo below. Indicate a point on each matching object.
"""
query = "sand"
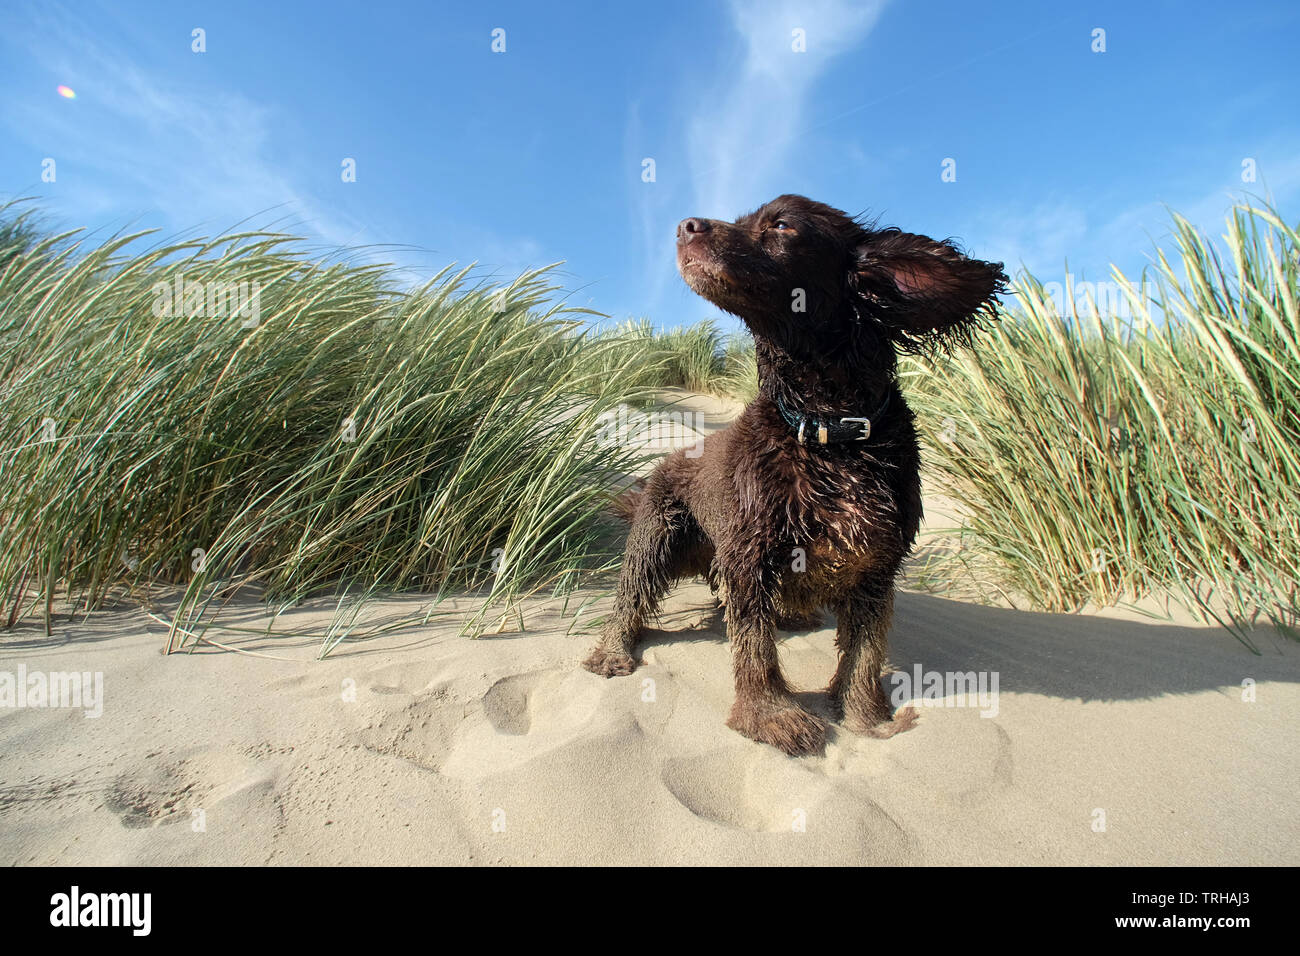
(1111, 740)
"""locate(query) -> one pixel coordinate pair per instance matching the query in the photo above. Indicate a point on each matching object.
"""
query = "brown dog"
(812, 497)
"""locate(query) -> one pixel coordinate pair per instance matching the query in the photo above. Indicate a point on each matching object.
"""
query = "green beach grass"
(214, 415)
(357, 438)
(696, 357)
(1099, 458)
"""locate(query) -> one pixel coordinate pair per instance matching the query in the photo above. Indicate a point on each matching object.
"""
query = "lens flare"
(67, 93)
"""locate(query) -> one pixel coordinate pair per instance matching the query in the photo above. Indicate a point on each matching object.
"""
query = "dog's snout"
(688, 229)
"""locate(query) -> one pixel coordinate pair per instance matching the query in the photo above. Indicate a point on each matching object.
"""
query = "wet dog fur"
(789, 527)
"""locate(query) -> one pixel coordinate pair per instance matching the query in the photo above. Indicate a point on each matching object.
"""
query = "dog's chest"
(842, 525)
(825, 571)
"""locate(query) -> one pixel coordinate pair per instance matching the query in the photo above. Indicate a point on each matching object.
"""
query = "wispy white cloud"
(195, 157)
(200, 159)
(1038, 238)
(1051, 237)
(749, 121)
(743, 121)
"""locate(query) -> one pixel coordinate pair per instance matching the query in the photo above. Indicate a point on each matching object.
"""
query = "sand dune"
(427, 748)
(421, 747)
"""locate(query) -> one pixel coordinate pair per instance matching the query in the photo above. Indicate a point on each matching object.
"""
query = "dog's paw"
(904, 718)
(785, 726)
(610, 662)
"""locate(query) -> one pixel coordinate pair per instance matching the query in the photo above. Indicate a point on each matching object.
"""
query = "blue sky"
(535, 154)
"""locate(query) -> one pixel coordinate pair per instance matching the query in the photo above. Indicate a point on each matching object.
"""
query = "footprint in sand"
(170, 792)
(506, 702)
(957, 756)
(522, 716)
(420, 732)
(714, 787)
(744, 789)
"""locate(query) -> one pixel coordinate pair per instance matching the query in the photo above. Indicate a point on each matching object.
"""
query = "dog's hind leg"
(862, 636)
(765, 710)
(665, 544)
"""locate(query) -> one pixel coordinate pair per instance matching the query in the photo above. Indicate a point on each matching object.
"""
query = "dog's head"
(809, 278)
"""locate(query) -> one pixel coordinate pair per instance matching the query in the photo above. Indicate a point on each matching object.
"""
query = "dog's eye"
(781, 225)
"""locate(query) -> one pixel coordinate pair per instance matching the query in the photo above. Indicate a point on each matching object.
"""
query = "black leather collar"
(826, 431)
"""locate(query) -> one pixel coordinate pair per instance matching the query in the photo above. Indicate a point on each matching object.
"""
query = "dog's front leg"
(862, 636)
(765, 710)
(640, 585)
(660, 539)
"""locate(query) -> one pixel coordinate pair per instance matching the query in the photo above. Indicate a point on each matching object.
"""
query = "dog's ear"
(925, 292)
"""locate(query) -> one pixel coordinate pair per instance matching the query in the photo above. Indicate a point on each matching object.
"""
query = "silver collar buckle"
(864, 425)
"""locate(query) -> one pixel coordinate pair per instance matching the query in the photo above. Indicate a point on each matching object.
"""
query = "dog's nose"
(688, 229)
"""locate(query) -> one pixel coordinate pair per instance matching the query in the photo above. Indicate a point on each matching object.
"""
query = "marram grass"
(1099, 458)
(696, 357)
(342, 436)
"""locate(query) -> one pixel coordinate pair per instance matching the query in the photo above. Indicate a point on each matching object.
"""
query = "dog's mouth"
(699, 265)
